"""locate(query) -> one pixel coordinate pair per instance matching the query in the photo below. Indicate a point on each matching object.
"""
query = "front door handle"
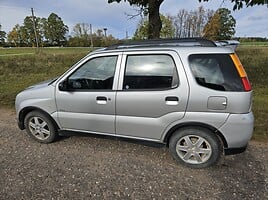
(172, 100)
(101, 100)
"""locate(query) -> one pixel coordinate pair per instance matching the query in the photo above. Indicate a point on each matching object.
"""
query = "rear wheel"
(40, 127)
(195, 147)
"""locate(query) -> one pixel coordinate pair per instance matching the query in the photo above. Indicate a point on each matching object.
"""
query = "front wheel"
(195, 147)
(40, 127)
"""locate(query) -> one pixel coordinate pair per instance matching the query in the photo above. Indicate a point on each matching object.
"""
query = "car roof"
(164, 42)
(193, 45)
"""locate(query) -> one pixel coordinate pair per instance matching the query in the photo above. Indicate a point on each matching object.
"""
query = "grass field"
(51, 50)
(254, 43)
(22, 67)
(255, 61)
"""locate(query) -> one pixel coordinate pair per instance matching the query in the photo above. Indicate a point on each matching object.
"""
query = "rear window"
(215, 71)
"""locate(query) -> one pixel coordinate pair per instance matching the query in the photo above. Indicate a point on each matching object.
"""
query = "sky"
(250, 22)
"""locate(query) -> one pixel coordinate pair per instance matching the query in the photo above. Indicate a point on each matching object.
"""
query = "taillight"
(241, 71)
(246, 84)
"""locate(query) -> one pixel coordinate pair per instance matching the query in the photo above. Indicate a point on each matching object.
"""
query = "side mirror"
(63, 86)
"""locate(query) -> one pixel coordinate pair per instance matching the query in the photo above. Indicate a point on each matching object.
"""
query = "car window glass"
(215, 71)
(150, 72)
(97, 73)
(208, 69)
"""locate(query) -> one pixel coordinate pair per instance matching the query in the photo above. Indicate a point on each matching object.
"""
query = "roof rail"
(164, 42)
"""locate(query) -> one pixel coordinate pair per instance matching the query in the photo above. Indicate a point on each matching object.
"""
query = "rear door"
(152, 93)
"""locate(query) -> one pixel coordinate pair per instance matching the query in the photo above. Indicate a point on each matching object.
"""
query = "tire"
(40, 127)
(195, 147)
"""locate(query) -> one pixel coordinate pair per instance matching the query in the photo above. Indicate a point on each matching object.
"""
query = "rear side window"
(216, 71)
(150, 72)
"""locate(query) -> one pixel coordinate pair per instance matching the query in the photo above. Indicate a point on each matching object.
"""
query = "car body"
(195, 98)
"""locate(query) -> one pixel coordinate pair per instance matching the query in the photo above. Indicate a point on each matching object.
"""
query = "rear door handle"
(101, 100)
(172, 100)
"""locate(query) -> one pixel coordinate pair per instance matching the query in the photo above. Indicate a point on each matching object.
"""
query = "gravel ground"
(88, 167)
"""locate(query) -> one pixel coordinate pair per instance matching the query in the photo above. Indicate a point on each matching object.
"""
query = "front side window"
(150, 72)
(215, 71)
(95, 74)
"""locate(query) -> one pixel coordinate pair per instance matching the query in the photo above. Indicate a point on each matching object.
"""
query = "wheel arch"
(195, 124)
(26, 110)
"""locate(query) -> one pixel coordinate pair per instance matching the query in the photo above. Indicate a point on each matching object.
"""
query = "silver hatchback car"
(186, 93)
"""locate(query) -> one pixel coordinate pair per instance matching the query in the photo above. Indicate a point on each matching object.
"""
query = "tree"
(26, 31)
(191, 24)
(110, 40)
(55, 30)
(2, 36)
(50, 31)
(221, 26)
(24, 35)
(14, 36)
(81, 30)
(179, 22)
(152, 9)
(81, 37)
(167, 30)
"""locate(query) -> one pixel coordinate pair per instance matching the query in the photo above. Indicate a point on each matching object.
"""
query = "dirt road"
(88, 167)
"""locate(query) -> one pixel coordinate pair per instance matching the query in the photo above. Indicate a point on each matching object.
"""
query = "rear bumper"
(231, 151)
(238, 130)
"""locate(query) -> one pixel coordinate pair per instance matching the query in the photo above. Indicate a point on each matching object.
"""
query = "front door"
(87, 102)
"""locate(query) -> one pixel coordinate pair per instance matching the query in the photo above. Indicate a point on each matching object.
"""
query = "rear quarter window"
(215, 71)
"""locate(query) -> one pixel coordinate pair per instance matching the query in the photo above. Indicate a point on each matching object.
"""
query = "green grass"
(254, 43)
(46, 50)
(255, 61)
(19, 72)
(10, 51)
(260, 109)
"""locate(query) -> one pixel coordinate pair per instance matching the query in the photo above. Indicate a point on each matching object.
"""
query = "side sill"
(64, 132)
(232, 151)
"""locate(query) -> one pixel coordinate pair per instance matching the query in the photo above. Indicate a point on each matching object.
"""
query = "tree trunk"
(155, 23)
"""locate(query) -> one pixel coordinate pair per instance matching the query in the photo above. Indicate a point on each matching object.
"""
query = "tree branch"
(139, 12)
